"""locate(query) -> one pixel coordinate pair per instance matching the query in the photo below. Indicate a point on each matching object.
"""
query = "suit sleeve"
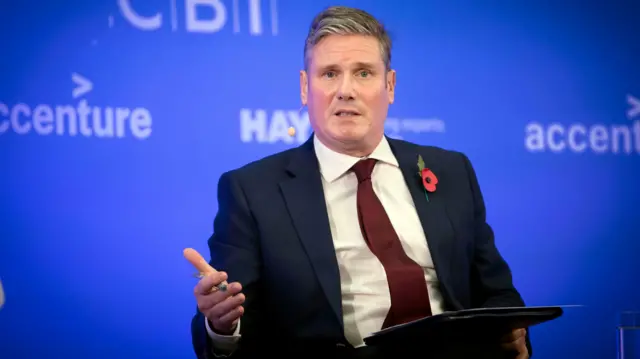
(491, 276)
(492, 282)
(234, 248)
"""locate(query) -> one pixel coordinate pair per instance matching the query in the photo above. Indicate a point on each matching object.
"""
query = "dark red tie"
(407, 285)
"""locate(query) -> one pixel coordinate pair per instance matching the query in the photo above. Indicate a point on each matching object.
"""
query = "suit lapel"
(304, 196)
(433, 213)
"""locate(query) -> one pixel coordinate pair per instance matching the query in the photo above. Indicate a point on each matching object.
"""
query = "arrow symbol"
(635, 106)
(83, 85)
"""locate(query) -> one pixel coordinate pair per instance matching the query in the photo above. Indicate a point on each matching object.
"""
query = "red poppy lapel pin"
(429, 179)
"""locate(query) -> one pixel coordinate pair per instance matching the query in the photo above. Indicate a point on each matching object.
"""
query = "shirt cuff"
(224, 344)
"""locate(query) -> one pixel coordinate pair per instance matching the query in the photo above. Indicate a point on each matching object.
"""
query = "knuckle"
(223, 307)
(212, 316)
(213, 279)
(228, 312)
(215, 312)
(220, 298)
(227, 321)
(201, 286)
(202, 306)
(207, 302)
(231, 316)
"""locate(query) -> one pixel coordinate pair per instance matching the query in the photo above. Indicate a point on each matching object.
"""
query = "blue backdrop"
(118, 117)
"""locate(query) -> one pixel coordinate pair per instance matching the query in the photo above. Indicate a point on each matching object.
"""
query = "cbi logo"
(201, 16)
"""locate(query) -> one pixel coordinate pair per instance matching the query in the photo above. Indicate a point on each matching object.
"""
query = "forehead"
(346, 50)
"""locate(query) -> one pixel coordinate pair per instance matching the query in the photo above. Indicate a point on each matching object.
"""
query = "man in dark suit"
(351, 232)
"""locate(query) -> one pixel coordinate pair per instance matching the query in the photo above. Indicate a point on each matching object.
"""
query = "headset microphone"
(1, 295)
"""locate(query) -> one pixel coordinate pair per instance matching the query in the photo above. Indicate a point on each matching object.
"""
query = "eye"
(364, 73)
(329, 74)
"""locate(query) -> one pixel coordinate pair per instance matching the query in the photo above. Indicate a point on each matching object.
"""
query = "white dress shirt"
(365, 291)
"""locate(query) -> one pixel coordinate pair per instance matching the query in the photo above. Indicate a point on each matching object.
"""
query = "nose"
(345, 89)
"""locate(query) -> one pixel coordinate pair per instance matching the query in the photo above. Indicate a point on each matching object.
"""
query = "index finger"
(198, 261)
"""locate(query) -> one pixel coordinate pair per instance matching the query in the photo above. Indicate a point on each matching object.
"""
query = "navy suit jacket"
(271, 234)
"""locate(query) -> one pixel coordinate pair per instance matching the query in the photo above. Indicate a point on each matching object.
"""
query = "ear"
(391, 85)
(304, 87)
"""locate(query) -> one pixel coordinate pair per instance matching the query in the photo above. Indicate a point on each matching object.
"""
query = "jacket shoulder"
(435, 153)
(264, 167)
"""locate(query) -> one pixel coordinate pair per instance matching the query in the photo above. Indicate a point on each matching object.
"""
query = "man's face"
(347, 91)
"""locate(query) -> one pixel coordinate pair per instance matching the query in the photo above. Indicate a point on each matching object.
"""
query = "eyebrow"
(358, 65)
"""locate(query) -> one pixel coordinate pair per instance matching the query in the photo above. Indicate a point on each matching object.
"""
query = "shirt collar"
(334, 164)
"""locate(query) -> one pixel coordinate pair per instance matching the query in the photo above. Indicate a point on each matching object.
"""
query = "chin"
(351, 133)
(351, 129)
(353, 142)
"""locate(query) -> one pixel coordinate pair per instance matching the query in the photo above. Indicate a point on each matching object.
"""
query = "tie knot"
(363, 169)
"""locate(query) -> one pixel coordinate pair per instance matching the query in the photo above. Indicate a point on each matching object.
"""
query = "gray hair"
(342, 20)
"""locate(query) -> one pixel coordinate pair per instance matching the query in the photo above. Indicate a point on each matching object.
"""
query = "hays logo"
(73, 119)
(263, 126)
(201, 16)
(580, 138)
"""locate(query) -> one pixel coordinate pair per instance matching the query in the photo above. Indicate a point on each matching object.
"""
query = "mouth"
(346, 113)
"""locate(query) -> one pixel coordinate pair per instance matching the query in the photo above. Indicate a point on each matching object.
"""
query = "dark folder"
(464, 327)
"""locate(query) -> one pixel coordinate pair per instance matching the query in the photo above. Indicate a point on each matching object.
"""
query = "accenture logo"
(80, 119)
(580, 138)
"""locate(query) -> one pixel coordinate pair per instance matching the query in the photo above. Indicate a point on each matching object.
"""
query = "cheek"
(376, 103)
(319, 102)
